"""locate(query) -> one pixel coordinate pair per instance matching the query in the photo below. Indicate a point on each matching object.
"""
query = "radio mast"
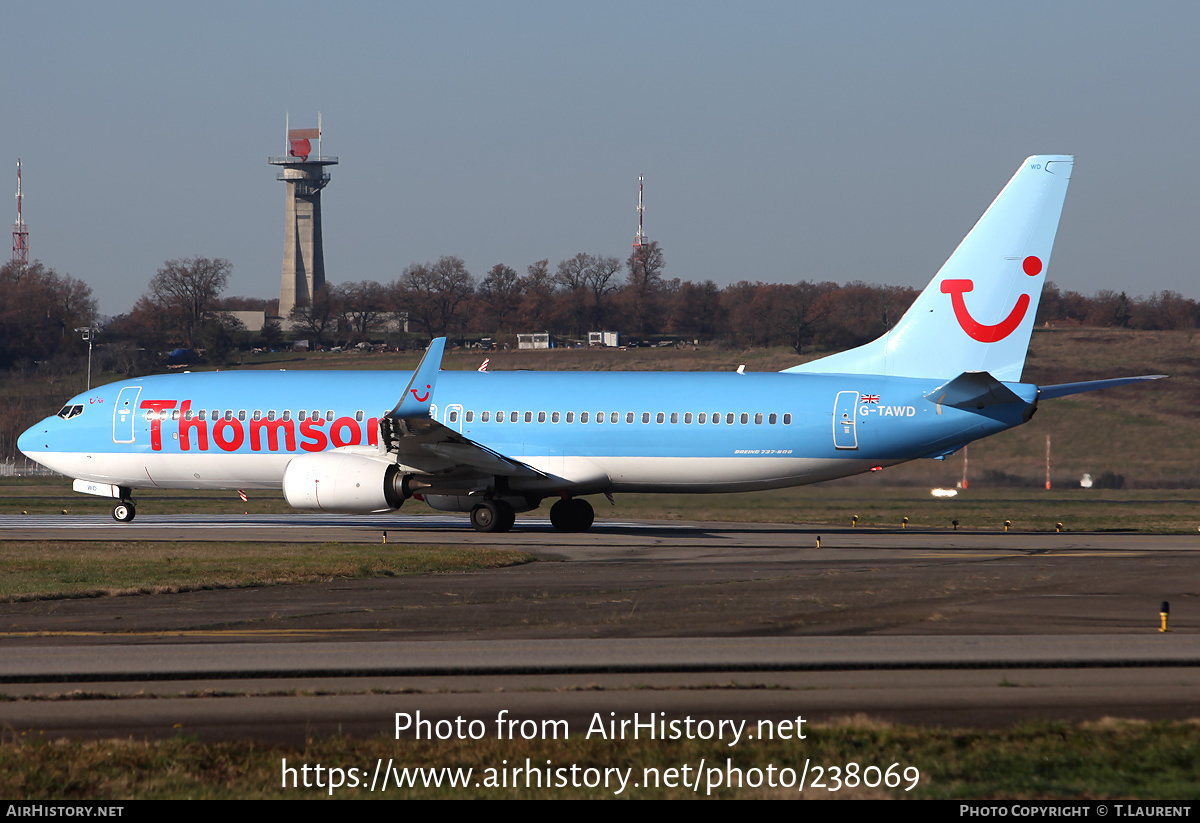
(20, 248)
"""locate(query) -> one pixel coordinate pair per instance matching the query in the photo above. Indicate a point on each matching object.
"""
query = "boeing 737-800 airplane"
(495, 443)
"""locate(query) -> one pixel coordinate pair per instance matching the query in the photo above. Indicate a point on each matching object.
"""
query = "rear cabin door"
(844, 434)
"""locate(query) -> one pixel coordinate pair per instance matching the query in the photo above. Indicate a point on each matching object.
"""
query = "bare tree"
(539, 300)
(436, 294)
(601, 282)
(39, 310)
(501, 293)
(184, 290)
(644, 287)
(364, 307)
(318, 320)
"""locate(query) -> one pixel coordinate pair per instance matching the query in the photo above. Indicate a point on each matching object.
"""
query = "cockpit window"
(69, 411)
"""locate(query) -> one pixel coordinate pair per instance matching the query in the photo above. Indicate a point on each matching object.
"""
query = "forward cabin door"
(124, 414)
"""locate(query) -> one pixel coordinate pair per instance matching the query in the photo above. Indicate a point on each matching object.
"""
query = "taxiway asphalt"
(750, 620)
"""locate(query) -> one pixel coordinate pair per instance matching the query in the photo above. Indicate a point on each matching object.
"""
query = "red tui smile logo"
(982, 332)
(419, 398)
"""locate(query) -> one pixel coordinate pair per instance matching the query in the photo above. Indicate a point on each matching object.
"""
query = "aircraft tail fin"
(977, 313)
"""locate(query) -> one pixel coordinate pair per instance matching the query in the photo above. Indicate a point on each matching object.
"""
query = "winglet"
(418, 395)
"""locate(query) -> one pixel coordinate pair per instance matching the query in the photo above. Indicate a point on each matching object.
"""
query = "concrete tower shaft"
(303, 247)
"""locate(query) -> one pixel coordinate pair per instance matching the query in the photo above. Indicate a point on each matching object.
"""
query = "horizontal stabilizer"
(973, 390)
(1064, 389)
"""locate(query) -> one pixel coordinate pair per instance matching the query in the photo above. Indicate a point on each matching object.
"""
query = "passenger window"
(257, 415)
(645, 417)
(229, 414)
(628, 417)
(528, 417)
(716, 418)
(729, 419)
(570, 417)
(787, 419)
(175, 414)
(773, 418)
(599, 417)
(614, 417)
(287, 414)
(329, 416)
(358, 415)
(484, 417)
(687, 418)
(702, 419)
(271, 414)
(758, 419)
(745, 418)
(554, 417)
(541, 417)
(660, 417)
(470, 416)
(583, 417)
(303, 415)
(242, 414)
(499, 417)
(674, 417)
(453, 415)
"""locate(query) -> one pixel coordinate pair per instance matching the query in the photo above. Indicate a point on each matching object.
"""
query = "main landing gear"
(493, 516)
(572, 515)
(124, 511)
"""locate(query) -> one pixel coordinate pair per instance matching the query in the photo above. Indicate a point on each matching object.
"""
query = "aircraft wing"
(424, 444)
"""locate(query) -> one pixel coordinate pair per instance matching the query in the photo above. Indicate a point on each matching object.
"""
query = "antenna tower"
(20, 248)
(639, 239)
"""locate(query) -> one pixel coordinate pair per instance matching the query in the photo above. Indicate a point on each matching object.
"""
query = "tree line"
(184, 306)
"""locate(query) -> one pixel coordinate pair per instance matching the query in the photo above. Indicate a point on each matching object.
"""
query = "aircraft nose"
(35, 439)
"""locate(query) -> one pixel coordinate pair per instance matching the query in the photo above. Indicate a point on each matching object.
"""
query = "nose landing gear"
(124, 511)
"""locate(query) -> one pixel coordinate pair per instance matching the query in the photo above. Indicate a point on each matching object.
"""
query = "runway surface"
(747, 620)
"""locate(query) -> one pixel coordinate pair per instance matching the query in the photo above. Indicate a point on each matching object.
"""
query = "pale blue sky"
(780, 141)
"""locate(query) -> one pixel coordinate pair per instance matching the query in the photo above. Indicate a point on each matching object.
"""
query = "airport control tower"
(303, 254)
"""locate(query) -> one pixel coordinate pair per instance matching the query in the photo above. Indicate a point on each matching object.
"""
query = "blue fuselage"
(605, 431)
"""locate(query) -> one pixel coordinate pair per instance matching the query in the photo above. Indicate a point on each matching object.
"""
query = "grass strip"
(45, 569)
(1106, 759)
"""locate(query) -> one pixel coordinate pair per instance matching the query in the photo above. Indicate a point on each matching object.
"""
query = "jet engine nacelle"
(344, 483)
